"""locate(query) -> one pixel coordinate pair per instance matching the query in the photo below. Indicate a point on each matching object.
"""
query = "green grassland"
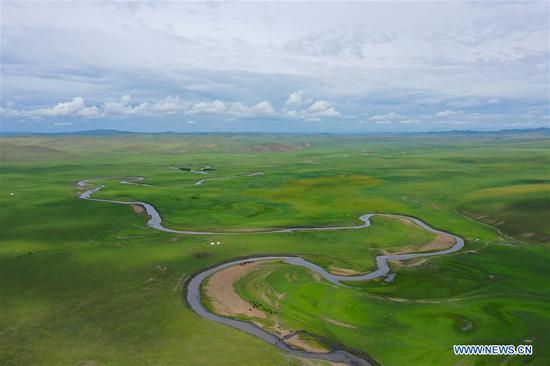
(86, 281)
(410, 332)
(520, 210)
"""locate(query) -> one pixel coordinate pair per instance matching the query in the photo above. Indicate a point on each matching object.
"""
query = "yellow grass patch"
(306, 185)
(513, 189)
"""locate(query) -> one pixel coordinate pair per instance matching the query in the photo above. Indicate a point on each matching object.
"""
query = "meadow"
(87, 283)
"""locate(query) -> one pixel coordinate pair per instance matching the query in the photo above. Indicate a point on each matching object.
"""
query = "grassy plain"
(86, 281)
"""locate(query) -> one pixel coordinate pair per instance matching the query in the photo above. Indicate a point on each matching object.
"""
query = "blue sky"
(274, 67)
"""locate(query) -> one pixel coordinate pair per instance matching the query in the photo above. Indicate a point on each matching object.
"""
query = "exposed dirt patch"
(406, 221)
(225, 300)
(441, 241)
(312, 362)
(413, 262)
(339, 323)
(298, 342)
(278, 329)
(138, 209)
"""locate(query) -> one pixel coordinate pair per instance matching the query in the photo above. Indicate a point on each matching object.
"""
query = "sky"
(343, 67)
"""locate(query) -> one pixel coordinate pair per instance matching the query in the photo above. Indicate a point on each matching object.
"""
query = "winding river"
(193, 296)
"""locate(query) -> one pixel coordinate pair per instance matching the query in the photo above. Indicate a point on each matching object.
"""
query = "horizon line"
(117, 131)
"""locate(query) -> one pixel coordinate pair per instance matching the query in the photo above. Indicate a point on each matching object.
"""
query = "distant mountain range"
(544, 130)
(106, 132)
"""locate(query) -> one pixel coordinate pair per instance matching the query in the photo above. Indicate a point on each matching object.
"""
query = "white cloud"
(64, 108)
(122, 108)
(62, 124)
(316, 111)
(449, 113)
(74, 107)
(295, 99)
(319, 106)
(391, 117)
(92, 111)
(388, 117)
(322, 108)
(214, 107)
(9, 112)
(118, 108)
(235, 109)
(238, 108)
(163, 107)
(263, 108)
(168, 106)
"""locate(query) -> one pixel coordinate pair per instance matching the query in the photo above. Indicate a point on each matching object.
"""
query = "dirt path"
(339, 323)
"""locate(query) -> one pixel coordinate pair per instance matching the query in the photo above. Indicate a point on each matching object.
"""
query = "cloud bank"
(169, 106)
(407, 65)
